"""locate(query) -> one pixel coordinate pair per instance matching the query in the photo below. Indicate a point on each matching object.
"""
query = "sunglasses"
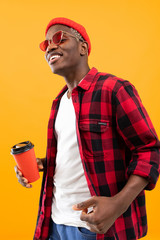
(57, 39)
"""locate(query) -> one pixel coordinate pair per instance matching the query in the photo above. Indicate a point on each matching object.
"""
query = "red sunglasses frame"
(44, 45)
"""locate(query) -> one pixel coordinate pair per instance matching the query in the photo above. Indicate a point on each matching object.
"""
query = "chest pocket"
(94, 135)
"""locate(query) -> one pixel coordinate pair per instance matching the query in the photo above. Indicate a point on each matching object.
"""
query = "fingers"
(17, 171)
(96, 228)
(86, 204)
(88, 217)
(23, 181)
(94, 224)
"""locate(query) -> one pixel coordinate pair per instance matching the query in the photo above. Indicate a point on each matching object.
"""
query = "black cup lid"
(21, 147)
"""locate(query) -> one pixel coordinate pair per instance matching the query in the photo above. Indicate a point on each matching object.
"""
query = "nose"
(51, 46)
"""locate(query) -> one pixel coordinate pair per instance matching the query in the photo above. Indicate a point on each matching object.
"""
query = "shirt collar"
(86, 82)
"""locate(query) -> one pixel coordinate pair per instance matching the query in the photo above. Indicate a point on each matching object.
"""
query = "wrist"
(121, 203)
(126, 196)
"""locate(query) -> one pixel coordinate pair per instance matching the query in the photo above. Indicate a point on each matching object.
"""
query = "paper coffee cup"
(25, 158)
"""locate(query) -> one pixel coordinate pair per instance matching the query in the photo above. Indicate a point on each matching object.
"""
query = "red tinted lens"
(43, 45)
(57, 37)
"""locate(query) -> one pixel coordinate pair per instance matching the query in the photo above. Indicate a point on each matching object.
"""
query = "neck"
(74, 77)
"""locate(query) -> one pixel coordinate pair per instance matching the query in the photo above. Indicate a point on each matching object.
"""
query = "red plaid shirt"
(116, 138)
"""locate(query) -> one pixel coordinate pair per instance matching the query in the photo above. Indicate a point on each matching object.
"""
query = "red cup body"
(27, 164)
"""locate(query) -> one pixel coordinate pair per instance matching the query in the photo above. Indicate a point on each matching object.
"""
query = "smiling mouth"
(53, 59)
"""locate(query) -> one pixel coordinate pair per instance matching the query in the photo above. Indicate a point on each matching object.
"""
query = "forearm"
(130, 191)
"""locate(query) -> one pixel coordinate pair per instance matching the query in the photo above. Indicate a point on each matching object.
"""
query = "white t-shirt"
(70, 185)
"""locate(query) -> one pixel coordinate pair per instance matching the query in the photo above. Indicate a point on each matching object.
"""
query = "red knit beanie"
(72, 24)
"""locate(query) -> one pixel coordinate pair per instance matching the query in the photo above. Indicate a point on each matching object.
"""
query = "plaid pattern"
(116, 138)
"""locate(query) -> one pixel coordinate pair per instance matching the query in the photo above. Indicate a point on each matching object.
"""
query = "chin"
(59, 70)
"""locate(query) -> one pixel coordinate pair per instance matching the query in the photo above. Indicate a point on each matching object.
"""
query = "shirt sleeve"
(135, 127)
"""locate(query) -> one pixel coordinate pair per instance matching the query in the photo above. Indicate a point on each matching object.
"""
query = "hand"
(105, 211)
(22, 180)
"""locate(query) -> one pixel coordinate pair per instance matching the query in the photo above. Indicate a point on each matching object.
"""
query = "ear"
(83, 48)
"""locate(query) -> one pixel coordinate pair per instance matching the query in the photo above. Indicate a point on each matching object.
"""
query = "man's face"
(68, 53)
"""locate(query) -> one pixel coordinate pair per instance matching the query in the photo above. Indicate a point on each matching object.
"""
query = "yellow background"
(125, 38)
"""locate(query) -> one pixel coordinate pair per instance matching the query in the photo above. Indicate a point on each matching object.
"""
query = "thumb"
(91, 202)
(39, 163)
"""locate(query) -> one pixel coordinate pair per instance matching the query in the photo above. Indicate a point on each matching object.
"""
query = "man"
(102, 149)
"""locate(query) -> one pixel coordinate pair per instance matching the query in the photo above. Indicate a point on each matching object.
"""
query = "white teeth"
(53, 57)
